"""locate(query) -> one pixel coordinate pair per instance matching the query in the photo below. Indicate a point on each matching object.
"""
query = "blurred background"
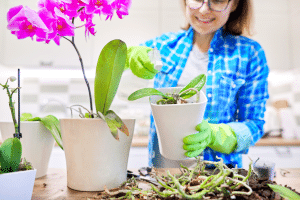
(52, 79)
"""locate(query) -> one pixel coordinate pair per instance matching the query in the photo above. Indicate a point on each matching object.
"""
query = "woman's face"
(205, 21)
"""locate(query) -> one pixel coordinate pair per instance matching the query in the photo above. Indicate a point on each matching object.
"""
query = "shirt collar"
(218, 39)
(216, 42)
(190, 33)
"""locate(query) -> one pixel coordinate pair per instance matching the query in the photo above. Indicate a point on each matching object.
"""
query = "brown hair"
(239, 21)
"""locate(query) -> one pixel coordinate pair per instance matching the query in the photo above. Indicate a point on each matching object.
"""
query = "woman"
(236, 87)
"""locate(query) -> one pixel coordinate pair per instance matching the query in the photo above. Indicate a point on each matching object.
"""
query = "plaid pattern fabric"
(236, 87)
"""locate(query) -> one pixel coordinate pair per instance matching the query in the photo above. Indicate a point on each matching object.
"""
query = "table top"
(142, 141)
(54, 184)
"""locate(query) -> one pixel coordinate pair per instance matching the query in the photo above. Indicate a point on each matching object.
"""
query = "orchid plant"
(55, 20)
(11, 148)
(191, 89)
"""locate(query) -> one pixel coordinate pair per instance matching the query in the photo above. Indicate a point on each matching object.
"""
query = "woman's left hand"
(219, 137)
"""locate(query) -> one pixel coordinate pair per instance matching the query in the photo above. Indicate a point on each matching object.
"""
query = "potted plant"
(176, 112)
(96, 154)
(37, 145)
(17, 176)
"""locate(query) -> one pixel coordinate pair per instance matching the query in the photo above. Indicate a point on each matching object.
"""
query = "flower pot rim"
(172, 105)
(23, 171)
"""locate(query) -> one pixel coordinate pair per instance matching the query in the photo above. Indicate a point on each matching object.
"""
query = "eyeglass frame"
(209, 6)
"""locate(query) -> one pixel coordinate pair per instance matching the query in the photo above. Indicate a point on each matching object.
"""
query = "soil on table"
(260, 191)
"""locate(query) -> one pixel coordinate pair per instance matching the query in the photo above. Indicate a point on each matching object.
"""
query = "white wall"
(277, 25)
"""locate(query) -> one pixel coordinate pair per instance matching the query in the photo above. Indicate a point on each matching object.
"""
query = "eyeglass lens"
(216, 5)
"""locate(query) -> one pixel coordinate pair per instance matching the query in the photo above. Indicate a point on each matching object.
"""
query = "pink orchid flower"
(24, 22)
(100, 7)
(64, 25)
(58, 25)
(89, 28)
(63, 6)
(54, 18)
(121, 7)
(50, 22)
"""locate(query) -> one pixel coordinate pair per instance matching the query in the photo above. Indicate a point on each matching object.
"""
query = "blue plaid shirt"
(236, 87)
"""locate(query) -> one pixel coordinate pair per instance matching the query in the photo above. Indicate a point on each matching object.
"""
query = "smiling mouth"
(205, 20)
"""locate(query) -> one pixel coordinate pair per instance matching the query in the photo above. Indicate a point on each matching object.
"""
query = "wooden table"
(53, 186)
(142, 141)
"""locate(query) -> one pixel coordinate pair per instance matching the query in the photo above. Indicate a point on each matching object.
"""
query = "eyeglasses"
(215, 5)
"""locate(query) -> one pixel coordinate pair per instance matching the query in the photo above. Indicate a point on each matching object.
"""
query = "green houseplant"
(92, 135)
(17, 176)
(96, 153)
(176, 111)
(39, 136)
(39, 133)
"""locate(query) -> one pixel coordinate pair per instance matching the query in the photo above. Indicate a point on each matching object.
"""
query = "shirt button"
(233, 85)
(209, 95)
(209, 72)
(211, 50)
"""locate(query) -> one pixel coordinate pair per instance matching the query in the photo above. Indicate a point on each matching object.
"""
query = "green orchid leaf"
(114, 118)
(34, 119)
(197, 83)
(284, 192)
(25, 116)
(11, 152)
(145, 92)
(140, 63)
(87, 115)
(53, 125)
(112, 127)
(109, 70)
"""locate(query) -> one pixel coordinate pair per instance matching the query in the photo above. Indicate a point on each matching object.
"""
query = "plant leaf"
(34, 119)
(197, 83)
(144, 92)
(112, 127)
(87, 115)
(284, 192)
(11, 152)
(25, 116)
(117, 121)
(53, 125)
(110, 67)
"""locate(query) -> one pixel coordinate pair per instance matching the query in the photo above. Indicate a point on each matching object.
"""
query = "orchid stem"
(82, 68)
(12, 109)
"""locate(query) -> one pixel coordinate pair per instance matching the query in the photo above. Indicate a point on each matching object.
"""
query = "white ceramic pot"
(17, 185)
(175, 121)
(37, 143)
(94, 157)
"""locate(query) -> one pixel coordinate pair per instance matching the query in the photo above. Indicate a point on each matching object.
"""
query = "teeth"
(205, 20)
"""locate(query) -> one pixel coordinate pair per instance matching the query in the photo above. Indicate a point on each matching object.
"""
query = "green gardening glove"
(140, 62)
(219, 137)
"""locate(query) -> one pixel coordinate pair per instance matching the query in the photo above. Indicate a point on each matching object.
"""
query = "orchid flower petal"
(13, 11)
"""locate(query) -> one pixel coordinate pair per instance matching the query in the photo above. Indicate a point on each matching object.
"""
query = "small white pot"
(94, 157)
(17, 185)
(175, 121)
(37, 143)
